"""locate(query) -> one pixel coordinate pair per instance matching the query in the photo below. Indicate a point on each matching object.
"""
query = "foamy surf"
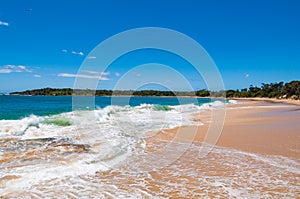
(225, 173)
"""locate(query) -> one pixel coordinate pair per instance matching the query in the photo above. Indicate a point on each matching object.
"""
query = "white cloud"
(91, 72)
(92, 57)
(247, 75)
(77, 53)
(138, 75)
(73, 52)
(96, 73)
(117, 74)
(104, 73)
(22, 67)
(2, 23)
(5, 70)
(36, 75)
(14, 69)
(82, 76)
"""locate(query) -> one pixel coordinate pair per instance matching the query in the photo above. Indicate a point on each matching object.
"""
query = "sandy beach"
(262, 127)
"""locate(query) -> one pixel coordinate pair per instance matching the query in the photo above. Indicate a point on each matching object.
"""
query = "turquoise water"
(17, 107)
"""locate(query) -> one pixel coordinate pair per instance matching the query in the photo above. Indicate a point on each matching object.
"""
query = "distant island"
(281, 90)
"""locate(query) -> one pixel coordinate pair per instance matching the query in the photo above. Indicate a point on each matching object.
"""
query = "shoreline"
(271, 100)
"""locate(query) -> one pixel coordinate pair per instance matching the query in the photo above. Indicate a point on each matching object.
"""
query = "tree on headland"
(291, 90)
(203, 93)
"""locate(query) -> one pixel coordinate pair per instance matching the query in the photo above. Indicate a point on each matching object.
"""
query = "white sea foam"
(139, 119)
(233, 101)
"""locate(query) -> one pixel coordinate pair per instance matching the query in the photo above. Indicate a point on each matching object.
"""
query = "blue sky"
(43, 43)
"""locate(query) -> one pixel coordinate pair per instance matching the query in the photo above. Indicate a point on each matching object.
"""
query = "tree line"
(290, 90)
(272, 90)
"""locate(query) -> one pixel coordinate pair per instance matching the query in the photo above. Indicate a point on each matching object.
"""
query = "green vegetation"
(280, 90)
(153, 93)
(203, 93)
(87, 92)
(46, 91)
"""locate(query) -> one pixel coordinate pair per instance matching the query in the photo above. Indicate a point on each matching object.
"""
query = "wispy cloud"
(117, 74)
(77, 53)
(246, 75)
(96, 73)
(83, 76)
(72, 52)
(2, 23)
(14, 69)
(92, 57)
(36, 75)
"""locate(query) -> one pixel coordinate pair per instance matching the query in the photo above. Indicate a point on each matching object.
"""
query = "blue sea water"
(17, 107)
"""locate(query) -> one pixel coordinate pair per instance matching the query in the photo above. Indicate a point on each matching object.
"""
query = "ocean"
(17, 107)
(50, 150)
